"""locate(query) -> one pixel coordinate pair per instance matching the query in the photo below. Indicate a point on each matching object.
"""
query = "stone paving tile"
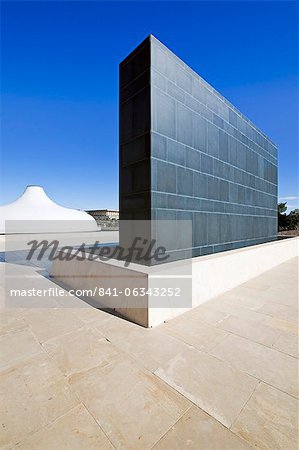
(197, 430)
(234, 307)
(194, 332)
(76, 430)
(33, 393)
(17, 346)
(51, 322)
(283, 312)
(90, 314)
(250, 329)
(133, 407)
(207, 315)
(251, 301)
(269, 420)
(266, 364)
(281, 324)
(11, 320)
(80, 350)
(237, 309)
(211, 384)
(282, 296)
(150, 347)
(114, 327)
(287, 343)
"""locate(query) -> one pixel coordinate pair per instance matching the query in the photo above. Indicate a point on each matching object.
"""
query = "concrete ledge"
(146, 310)
(218, 273)
(199, 279)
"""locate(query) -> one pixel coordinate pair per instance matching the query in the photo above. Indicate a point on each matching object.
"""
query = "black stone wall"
(186, 153)
(135, 134)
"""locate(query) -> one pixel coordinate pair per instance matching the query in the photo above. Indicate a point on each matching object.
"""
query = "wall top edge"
(152, 38)
(290, 241)
(165, 269)
(136, 50)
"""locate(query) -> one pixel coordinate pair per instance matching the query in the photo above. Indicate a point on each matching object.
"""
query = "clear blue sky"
(60, 84)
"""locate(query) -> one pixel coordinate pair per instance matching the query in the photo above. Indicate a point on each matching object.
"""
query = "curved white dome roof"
(35, 212)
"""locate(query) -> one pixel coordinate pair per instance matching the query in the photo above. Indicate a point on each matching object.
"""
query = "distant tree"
(287, 221)
(293, 220)
(282, 217)
(282, 207)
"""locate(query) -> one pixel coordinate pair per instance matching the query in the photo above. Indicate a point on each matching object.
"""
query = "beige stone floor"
(220, 377)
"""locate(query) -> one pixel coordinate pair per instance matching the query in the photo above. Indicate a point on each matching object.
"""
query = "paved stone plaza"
(220, 377)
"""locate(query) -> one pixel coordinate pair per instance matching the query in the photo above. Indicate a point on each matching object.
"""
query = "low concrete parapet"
(148, 295)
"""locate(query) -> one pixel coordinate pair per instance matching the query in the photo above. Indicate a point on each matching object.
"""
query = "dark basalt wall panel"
(186, 153)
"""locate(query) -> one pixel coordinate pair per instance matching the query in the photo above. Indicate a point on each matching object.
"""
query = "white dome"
(34, 212)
